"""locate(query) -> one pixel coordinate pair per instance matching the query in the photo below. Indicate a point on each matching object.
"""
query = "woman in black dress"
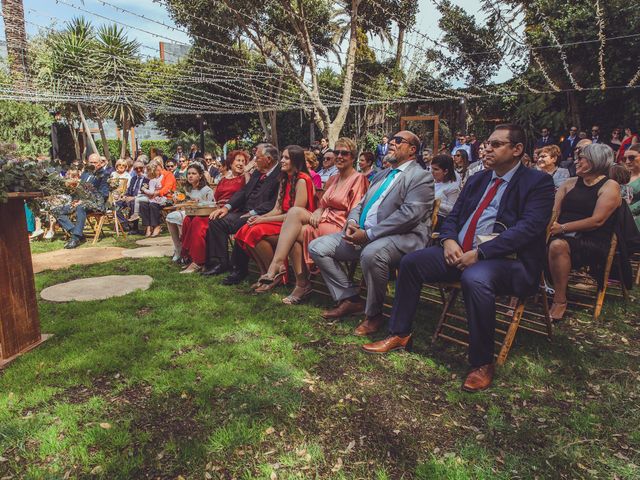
(581, 236)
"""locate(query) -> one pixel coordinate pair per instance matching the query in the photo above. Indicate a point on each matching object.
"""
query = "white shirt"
(447, 193)
(372, 215)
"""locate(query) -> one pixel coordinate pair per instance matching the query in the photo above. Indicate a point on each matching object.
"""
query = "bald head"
(95, 161)
(403, 147)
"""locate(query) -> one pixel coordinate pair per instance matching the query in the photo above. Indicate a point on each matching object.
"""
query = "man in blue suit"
(381, 151)
(569, 143)
(508, 199)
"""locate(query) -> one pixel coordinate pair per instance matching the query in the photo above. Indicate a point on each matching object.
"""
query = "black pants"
(217, 238)
(122, 205)
(150, 214)
(480, 282)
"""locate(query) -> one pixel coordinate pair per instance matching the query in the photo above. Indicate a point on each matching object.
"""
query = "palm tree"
(16, 36)
(71, 68)
(117, 58)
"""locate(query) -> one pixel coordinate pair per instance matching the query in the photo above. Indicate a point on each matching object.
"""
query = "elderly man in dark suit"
(98, 176)
(381, 151)
(569, 143)
(390, 221)
(256, 198)
(509, 195)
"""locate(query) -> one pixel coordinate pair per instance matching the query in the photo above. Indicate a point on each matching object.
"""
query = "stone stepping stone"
(153, 242)
(78, 256)
(149, 252)
(96, 288)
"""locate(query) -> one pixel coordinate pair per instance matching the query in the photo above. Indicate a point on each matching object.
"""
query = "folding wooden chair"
(635, 264)
(585, 290)
(452, 326)
(98, 220)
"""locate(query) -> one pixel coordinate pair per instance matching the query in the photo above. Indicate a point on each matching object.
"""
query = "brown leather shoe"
(479, 378)
(389, 344)
(369, 325)
(346, 308)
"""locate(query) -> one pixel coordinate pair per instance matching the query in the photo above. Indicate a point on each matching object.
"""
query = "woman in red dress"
(194, 229)
(260, 234)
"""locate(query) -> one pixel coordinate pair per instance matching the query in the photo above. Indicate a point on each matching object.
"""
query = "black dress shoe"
(234, 277)
(74, 243)
(217, 270)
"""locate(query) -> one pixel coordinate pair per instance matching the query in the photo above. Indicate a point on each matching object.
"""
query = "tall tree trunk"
(273, 120)
(399, 48)
(266, 137)
(574, 109)
(74, 136)
(87, 130)
(125, 137)
(103, 137)
(16, 36)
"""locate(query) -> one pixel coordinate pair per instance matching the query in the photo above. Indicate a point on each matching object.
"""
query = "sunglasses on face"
(457, 155)
(630, 158)
(399, 140)
(342, 153)
(139, 169)
(497, 143)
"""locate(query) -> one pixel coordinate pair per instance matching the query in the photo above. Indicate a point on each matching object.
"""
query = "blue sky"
(50, 13)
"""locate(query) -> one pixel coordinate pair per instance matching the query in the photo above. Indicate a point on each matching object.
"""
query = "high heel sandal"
(269, 283)
(295, 300)
(557, 319)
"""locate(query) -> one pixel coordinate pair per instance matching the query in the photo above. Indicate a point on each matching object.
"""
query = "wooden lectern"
(19, 321)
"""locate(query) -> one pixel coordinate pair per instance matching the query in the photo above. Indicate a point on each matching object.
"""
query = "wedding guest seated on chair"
(164, 184)
(548, 159)
(507, 194)
(97, 176)
(296, 190)
(365, 162)
(256, 198)
(194, 229)
(391, 220)
(196, 190)
(342, 193)
(312, 164)
(582, 234)
(133, 190)
(446, 185)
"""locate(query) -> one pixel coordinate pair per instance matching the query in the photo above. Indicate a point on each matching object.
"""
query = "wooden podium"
(19, 321)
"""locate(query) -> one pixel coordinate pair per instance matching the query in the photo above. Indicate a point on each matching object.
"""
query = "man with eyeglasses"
(391, 220)
(96, 175)
(328, 166)
(381, 151)
(178, 154)
(595, 134)
(569, 143)
(510, 203)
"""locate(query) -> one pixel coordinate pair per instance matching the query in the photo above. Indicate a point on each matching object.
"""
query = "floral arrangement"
(26, 175)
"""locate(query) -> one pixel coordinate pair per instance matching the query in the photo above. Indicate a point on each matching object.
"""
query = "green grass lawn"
(192, 379)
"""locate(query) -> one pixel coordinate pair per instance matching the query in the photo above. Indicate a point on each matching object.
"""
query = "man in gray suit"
(392, 219)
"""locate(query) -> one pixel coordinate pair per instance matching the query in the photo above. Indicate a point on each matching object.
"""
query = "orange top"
(168, 184)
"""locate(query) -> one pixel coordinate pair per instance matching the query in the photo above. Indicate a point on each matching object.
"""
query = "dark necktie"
(467, 242)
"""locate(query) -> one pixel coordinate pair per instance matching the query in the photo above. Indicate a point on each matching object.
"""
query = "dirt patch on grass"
(380, 416)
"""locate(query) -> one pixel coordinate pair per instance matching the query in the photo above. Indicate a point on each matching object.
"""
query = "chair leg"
(599, 302)
(545, 309)
(511, 332)
(445, 310)
(98, 230)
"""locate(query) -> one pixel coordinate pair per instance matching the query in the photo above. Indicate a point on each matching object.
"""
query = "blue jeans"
(74, 229)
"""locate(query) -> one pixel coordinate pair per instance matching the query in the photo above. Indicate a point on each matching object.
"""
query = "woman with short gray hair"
(586, 208)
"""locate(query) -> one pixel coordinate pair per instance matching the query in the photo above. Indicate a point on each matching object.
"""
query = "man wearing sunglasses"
(569, 143)
(391, 220)
(505, 194)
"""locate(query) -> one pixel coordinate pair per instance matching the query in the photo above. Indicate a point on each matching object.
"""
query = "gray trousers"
(376, 261)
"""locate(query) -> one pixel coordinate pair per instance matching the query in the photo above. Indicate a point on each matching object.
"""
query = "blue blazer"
(525, 210)
(380, 154)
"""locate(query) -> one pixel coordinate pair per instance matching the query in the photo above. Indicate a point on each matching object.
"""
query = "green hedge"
(114, 148)
(165, 145)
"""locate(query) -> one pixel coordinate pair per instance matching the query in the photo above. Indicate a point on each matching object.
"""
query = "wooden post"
(19, 320)
(423, 118)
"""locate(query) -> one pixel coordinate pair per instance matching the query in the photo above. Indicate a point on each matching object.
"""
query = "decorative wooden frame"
(425, 118)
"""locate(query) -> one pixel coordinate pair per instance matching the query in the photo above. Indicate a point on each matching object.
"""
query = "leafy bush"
(167, 146)
(27, 126)
(114, 148)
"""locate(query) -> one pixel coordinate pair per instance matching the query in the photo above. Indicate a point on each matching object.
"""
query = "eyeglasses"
(170, 165)
(184, 161)
(630, 158)
(497, 143)
(457, 155)
(399, 140)
(342, 153)
(139, 169)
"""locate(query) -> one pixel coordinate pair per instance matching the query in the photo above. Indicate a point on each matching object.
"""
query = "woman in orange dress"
(194, 229)
(342, 193)
(260, 233)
